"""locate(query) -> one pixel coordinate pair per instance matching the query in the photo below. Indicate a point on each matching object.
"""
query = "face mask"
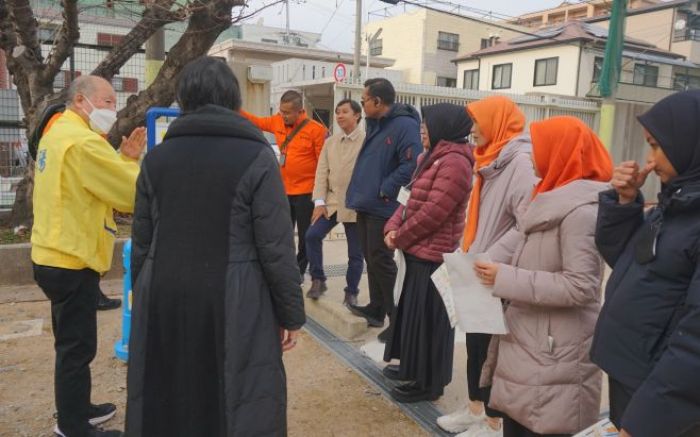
(101, 120)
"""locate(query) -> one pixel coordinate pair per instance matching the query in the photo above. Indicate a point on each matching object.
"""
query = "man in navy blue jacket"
(385, 164)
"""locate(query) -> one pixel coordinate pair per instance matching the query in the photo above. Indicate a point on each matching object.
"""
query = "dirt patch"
(325, 397)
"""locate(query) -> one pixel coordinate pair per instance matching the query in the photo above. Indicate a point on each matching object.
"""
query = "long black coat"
(648, 332)
(215, 277)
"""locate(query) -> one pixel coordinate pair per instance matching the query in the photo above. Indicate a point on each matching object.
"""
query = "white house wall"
(522, 80)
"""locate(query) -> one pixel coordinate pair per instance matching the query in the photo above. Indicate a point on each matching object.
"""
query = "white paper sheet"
(400, 260)
(477, 310)
(441, 279)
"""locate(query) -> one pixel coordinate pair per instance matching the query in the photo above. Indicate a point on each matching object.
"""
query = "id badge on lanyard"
(404, 195)
(282, 159)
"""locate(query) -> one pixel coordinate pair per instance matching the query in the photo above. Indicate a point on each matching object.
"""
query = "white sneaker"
(481, 429)
(460, 420)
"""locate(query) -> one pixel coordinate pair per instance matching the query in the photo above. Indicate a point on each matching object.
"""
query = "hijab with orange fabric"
(500, 120)
(565, 149)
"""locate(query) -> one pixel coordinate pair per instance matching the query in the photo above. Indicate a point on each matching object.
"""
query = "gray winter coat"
(507, 188)
(541, 374)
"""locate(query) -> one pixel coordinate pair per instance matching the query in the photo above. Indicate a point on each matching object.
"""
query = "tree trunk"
(33, 75)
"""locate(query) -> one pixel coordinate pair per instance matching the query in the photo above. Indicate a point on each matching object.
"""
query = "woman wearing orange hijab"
(541, 375)
(503, 185)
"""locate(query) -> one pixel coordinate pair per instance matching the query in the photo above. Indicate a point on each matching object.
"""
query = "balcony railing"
(686, 35)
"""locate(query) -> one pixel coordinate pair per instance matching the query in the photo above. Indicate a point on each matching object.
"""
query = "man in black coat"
(216, 284)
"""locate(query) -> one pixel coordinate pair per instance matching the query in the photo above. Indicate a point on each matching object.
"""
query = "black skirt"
(422, 337)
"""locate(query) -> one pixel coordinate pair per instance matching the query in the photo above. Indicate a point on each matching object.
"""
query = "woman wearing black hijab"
(429, 223)
(648, 334)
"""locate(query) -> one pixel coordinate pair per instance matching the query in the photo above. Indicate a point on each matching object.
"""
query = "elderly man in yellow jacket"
(79, 180)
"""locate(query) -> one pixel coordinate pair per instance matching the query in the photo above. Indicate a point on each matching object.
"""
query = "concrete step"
(335, 317)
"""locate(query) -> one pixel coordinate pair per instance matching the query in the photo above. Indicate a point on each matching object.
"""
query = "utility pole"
(371, 39)
(610, 74)
(287, 26)
(155, 55)
(358, 41)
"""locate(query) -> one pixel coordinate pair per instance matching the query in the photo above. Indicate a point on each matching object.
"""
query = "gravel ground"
(325, 397)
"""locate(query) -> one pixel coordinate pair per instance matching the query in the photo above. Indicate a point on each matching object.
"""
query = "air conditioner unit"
(259, 73)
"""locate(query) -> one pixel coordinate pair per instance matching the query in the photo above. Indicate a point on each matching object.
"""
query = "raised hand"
(132, 147)
(628, 178)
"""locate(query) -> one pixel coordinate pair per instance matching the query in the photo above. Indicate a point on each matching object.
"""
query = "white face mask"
(101, 120)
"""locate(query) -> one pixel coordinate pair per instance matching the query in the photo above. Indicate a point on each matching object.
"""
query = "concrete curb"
(335, 317)
(16, 264)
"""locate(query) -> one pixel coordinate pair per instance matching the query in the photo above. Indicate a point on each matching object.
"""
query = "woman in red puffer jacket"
(430, 224)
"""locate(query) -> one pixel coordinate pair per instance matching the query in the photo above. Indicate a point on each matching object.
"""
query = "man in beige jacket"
(335, 167)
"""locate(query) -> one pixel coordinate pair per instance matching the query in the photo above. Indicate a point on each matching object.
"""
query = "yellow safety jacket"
(78, 180)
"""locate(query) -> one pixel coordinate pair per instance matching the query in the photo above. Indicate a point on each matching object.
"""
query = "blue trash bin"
(121, 348)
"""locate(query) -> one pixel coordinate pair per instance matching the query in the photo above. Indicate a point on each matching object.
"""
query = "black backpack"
(34, 138)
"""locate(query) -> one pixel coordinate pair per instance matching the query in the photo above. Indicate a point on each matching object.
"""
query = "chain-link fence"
(13, 147)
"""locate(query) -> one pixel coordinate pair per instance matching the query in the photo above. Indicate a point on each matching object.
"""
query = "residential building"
(424, 41)
(254, 60)
(299, 73)
(570, 10)
(271, 35)
(672, 25)
(567, 59)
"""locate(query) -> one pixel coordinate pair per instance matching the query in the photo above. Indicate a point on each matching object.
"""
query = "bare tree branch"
(156, 15)
(241, 16)
(68, 35)
(25, 27)
(205, 25)
(8, 37)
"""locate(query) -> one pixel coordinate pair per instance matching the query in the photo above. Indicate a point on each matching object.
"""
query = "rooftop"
(566, 33)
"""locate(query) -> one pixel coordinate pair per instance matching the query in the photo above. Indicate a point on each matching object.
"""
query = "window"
(684, 82)
(63, 79)
(546, 71)
(108, 39)
(448, 41)
(125, 84)
(471, 80)
(597, 68)
(646, 75)
(501, 76)
(447, 82)
(375, 47)
(269, 40)
(489, 42)
(47, 32)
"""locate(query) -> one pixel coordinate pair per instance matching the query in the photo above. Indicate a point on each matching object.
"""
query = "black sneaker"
(104, 303)
(373, 319)
(385, 335)
(102, 413)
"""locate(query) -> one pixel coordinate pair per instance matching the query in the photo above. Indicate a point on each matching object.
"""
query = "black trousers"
(301, 207)
(477, 350)
(381, 268)
(73, 295)
(511, 428)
